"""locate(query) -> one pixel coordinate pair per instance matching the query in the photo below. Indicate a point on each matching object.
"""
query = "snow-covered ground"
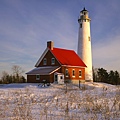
(93, 101)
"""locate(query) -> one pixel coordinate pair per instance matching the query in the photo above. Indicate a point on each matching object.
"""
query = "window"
(73, 73)
(56, 78)
(37, 77)
(81, 25)
(88, 38)
(44, 61)
(61, 77)
(80, 73)
(66, 72)
(53, 61)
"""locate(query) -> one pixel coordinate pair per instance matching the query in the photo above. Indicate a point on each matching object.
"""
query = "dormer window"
(44, 61)
(53, 61)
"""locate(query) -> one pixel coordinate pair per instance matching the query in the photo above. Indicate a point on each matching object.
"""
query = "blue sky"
(26, 26)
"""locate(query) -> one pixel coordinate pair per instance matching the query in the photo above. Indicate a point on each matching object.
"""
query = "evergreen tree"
(111, 77)
(102, 75)
(116, 78)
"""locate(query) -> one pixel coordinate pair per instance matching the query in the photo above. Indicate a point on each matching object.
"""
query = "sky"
(27, 25)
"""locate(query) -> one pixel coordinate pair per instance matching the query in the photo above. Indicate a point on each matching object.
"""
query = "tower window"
(53, 61)
(81, 25)
(44, 61)
(88, 38)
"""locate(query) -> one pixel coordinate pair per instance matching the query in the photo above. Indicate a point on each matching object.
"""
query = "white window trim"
(52, 61)
(37, 78)
(66, 72)
(79, 73)
(72, 73)
(44, 63)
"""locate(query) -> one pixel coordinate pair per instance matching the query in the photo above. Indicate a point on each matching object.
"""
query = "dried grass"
(76, 104)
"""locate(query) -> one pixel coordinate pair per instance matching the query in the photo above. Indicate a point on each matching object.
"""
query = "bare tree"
(17, 73)
(16, 77)
(17, 70)
(4, 76)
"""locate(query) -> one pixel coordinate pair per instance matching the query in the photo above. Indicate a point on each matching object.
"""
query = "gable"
(41, 57)
(48, 56)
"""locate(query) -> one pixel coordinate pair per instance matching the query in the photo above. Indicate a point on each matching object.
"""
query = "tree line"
(15, 77)
(99, 75)
(102, 75)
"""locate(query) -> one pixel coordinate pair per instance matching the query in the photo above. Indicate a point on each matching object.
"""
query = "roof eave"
(75, 66)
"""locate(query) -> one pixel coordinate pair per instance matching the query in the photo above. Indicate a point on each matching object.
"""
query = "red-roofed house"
(55, 64)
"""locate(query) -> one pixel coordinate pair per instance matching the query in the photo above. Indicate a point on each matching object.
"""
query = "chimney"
(50, 44)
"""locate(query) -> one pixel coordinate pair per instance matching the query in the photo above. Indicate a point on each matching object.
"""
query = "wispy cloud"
(25, 27)
(22, 41)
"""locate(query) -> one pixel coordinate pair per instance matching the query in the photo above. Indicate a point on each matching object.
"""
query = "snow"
(93, 101)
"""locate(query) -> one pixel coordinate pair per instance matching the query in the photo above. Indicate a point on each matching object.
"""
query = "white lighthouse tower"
(84, 43)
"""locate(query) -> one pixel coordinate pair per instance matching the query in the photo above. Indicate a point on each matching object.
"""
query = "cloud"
(27, 26)
(23, 41)
(106, 54)
(105, 34)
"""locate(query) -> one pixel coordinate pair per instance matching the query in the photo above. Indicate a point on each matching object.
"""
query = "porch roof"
(43, 70)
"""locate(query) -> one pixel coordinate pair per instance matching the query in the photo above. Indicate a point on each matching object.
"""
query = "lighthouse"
(84, 43)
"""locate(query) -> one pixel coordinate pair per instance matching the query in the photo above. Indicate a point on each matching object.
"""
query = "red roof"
(67, 57)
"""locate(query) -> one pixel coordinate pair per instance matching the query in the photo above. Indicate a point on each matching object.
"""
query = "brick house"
(54, 62)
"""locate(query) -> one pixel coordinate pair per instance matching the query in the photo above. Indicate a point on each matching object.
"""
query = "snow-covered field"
(93, 101)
